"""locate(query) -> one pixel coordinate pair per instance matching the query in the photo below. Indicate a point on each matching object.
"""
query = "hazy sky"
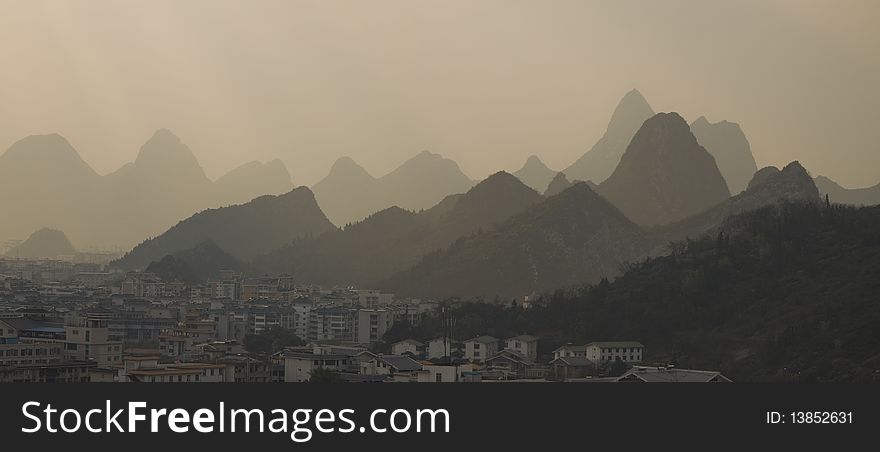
(486, 83)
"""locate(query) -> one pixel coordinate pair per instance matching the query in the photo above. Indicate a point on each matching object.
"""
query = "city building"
(480, 348)
(626, 351)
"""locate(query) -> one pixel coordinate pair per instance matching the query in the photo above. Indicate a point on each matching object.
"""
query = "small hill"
(195, 265)
(43, 244)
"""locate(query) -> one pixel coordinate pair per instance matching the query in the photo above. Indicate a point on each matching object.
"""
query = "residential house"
(566, 367)
(525, 345)
(570, 351)
(670, 374)
(627, 351)
(408, 346)
(480, 348)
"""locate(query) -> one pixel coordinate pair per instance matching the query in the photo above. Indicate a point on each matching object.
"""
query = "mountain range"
(141, 199)
(394, 239)
(244, 231)
(349, 193)
(855, 196)
(576, 237)
(724, 140)
(573, 237)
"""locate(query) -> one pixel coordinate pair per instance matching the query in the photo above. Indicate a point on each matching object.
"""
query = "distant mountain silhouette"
(394, 239)
(141, 199)
(195, 265)
(244, 230)
(251, 180)
(44, 243)
(349, 193)
(571, 238)
(769, 186)
(44, 182)
(664, 175)
(162, 186)
(601, 160)
(728, 144)
(535, 173)
(576, 237)
(856, 196)
(559, 184)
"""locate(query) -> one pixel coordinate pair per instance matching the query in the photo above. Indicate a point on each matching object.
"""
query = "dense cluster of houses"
(61, 323)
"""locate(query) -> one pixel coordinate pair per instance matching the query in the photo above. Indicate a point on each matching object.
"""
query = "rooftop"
(672, 375)
(616, 344)
(409, 341)
(483, 339)
(401, 363)
(523, 338)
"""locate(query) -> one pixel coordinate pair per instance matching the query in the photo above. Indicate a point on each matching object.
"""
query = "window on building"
(438, 377)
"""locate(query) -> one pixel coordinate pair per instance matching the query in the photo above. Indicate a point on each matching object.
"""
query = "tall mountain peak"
(535, 173)
(728, 144)
(559, 184)
(601, 160)
(664, 175)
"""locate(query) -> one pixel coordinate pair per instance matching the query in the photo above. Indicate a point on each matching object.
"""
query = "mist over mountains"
(601, 160)
(45, 183)
(349, 193)
(869, 196)
(243, 230)
(535, 173)
(577, 237)
(664, 175)
(394, 239)
(43, 244)
(728, 144)
(423, 229)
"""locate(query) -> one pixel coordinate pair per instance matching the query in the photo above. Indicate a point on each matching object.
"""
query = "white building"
(438, 348)
(525, 345)
(410, 346)
(369, 298)
(372, 324)
(480, 348)
(626, 351)
(395, 365)
(570, 351)
(302, 311)
(442, 374)
(298, 367)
